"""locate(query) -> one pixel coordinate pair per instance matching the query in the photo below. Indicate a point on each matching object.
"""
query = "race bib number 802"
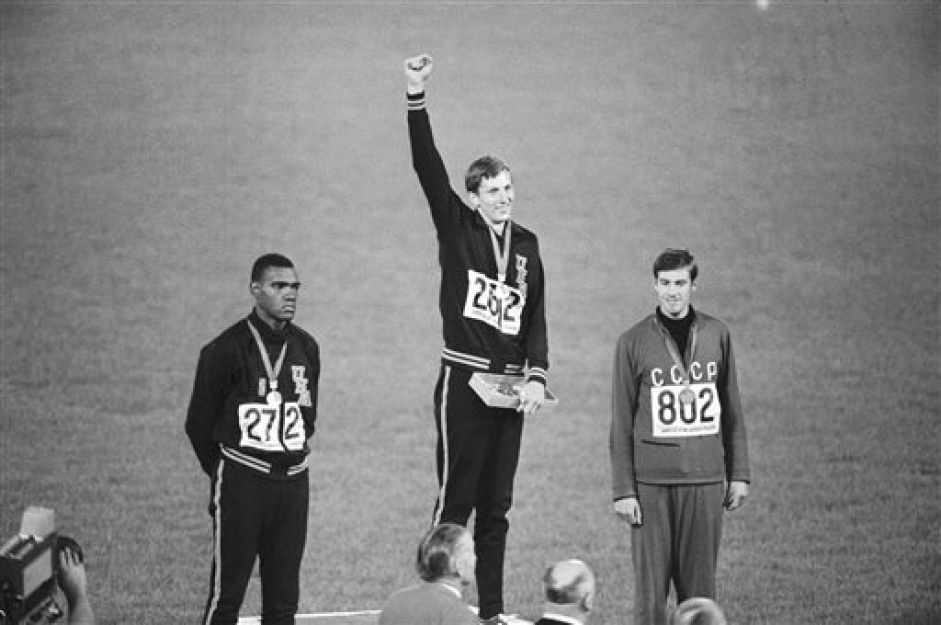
(263, 427)
(674, 419)
(496, 304)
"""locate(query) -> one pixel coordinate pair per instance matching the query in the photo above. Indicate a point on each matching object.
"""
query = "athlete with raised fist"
(493, 311)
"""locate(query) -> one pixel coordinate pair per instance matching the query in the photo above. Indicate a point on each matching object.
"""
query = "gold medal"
(274, 398)
(687, 396)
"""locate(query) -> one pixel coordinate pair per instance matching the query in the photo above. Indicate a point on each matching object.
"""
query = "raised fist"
(417, 70)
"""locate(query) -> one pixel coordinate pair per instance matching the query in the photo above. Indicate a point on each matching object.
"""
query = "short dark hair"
(483, 167)
(269, 260)
(435, 559)
(673, 258)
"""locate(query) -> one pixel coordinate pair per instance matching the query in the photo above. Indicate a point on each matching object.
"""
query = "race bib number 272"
(496, 304)
(263, 427)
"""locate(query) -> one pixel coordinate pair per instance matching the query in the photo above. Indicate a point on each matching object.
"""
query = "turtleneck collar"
(678, 328)
(679, 324)
(266, 331)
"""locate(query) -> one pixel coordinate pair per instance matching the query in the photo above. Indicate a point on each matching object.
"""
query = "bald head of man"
(570, 591)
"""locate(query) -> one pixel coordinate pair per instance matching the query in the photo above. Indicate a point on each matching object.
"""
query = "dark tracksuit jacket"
(231, 385)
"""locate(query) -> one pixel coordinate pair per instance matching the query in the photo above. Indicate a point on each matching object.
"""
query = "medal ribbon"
(274, 371)
(503, 259)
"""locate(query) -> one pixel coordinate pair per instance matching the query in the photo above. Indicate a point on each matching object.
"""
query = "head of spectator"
(698, 611)
(570, 591)
(446, 555)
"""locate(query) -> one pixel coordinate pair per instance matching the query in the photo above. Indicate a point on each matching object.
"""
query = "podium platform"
(359, 617)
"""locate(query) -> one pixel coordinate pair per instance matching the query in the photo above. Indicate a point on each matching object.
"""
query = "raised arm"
(445, 205)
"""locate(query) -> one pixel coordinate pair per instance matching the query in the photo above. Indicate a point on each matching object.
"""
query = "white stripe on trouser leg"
(443, 425)
(217, 544)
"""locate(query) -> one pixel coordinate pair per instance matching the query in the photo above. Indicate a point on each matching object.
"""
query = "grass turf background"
(152, 150)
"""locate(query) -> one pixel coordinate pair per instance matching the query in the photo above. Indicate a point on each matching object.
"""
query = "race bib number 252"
(498, 305)
(674, 419)
(263, 427)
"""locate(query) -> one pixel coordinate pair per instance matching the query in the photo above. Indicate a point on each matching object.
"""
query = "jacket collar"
(266, 331)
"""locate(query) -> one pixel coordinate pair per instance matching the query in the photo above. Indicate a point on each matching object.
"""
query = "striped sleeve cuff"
(536, 374)
(416, 101)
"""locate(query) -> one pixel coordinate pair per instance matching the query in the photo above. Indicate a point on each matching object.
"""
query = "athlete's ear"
(462, 567)
(474, 199)
(588, 602)
(254, 288)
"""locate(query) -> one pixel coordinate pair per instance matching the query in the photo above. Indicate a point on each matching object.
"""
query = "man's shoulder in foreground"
(426, 604)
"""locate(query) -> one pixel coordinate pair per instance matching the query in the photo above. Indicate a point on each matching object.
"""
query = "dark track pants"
(678, 541)
(256, 515)
(477, 454)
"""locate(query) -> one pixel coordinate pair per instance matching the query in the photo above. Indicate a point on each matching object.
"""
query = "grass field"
(151, 150)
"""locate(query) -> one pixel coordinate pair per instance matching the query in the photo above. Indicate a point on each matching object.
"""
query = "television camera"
(29, 570)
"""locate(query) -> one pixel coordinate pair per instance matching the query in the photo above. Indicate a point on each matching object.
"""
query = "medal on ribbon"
(273, 397)
(687, 395)
(502, 257)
